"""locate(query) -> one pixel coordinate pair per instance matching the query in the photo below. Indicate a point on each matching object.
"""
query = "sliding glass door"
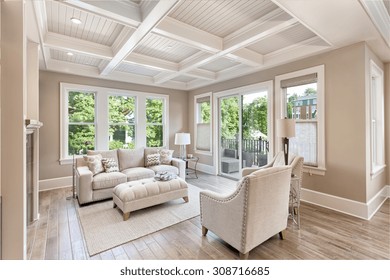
(244, 130)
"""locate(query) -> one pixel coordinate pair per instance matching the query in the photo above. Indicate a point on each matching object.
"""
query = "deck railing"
(254, 151)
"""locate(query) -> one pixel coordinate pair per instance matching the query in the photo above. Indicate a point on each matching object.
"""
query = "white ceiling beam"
(151, 62)
(258, 33)
(232, 45)
(125, 13)
(41, 19)
(246, 56)
(66, 43)
(202, 74)
(159, 11)
(93, 72)
(189, 35)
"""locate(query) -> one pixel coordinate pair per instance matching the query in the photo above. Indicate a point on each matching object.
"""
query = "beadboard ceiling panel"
(188, 44)
(93, 28)
(291, 36)
(164, 48)
(75, 58)
(221, 18)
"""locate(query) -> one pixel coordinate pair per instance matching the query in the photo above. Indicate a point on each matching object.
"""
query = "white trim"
(267, 85)
(347, 206)
(55, 183)
(208, 153)
(375, 109)
(101, 115)
(209, 169)
(320, 70)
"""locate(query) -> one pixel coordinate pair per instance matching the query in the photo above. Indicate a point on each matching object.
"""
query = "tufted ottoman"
(143, 193)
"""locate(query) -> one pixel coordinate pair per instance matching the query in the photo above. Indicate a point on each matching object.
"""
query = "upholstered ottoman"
(134, 195)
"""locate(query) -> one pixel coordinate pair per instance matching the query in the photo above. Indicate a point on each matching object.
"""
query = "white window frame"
(196, 118)
(280, 104)
(377, 119)
(165, 99)
(101, 116)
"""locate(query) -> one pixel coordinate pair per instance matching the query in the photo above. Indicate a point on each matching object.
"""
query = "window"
(301, 97)
(81, 121)
(121, 117)
(377, 119)
(103, 118)
(202, 109)
(154, 122)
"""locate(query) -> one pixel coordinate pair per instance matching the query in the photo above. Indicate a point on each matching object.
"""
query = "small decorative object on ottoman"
(134, 195)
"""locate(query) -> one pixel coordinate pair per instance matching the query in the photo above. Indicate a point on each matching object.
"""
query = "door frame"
(267, 85)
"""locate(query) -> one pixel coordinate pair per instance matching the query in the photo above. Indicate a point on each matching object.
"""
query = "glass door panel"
(255, 145)
(229, 136)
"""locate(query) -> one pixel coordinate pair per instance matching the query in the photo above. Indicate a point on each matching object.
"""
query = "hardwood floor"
(324, 234)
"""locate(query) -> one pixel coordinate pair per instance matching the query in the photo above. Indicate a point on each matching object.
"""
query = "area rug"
(104, 228)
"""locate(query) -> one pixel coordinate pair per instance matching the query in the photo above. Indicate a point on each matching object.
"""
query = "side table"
(192, 171)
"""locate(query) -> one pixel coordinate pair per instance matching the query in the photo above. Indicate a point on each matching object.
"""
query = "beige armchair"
(254, 212)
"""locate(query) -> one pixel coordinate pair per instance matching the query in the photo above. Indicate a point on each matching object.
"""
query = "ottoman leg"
(126, 216)
(186, 198)
(113, 205)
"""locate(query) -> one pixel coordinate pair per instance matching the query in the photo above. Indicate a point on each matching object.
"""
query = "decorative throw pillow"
(152, 159)
(110, 165)
(94, 163)
(166, 156)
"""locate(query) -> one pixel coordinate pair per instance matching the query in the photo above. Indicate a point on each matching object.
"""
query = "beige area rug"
(104, 228)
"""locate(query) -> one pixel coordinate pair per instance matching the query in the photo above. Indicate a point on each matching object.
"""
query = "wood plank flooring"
(324, 234)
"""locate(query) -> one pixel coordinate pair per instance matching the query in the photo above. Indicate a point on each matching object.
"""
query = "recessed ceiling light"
(169, 47)
(69, 53)
(75, 20)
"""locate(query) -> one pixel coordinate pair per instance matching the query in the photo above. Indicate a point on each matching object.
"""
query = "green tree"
(254, 118)
(81, 117)
(205, 112)
(229, 117)
(154, 118)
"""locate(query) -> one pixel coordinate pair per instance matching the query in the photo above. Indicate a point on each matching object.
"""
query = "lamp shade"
(182, 138)
(285, 128)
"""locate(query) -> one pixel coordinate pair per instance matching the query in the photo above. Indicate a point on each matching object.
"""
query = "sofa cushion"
(137, 173)
(164, 167)
(94, 163)
(166, 156)
(110, 165)
(108, 180)
(105, 154)
(131, 158)
(150, 151)
(152, 160)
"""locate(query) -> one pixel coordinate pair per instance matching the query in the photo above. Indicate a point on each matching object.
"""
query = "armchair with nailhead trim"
(253, 213)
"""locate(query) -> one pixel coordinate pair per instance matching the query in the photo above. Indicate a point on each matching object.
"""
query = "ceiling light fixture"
(69, 53)
(75, 20)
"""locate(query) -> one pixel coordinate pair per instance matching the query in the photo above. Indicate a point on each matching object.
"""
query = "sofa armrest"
(84, 179)
(181, 165)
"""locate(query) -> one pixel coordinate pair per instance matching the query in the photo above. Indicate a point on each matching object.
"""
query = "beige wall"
(49, 104)
(387, 118)
(13, 81)
(345, 119)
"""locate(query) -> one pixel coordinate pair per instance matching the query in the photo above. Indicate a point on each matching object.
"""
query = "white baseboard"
(347, 206)
(209, 169)
(56, 183)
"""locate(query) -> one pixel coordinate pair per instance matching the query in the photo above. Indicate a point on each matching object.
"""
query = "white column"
(13, 142)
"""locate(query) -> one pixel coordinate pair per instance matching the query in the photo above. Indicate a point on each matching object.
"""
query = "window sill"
(200, 152)
(67, 161)
(314, 170)
(377, 170)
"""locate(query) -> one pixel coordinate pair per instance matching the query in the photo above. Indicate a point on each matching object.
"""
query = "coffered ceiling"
(182, 44)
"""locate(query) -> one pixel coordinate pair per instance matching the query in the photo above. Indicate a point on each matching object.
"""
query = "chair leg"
(244, 256)
(114, 205)
(204, 231)
(281, 234)
(186, 199)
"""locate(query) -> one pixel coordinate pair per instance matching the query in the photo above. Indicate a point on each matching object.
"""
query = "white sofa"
(132, 166)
